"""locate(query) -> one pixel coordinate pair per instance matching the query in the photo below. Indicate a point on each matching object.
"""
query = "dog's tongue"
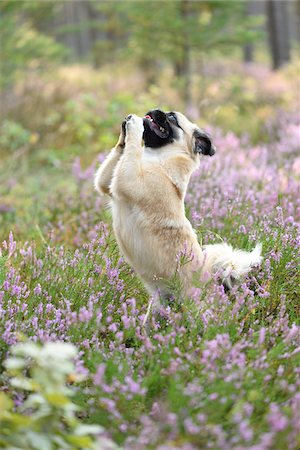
(148, 117)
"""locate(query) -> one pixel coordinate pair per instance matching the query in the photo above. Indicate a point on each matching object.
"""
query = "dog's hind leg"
(159, 298)
(153, 305)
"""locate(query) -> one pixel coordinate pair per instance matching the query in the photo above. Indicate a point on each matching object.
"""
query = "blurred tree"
(74, 23)
(248, 46)
(293, 11)
(93, 30)
(180, 32)
(278, 32)
(111, 28)
(253, 8)
(297, 14)
(22, 46)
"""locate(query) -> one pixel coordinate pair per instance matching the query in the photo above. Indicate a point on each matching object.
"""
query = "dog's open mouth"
(157, 128)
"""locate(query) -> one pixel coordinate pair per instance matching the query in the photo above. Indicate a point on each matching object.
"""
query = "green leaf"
(24, 383)
(57, 399)
(19, 420)
(14, 363)
(82, 430)
(39, 440)
(80, 441)
(5, 403)
(3, 268)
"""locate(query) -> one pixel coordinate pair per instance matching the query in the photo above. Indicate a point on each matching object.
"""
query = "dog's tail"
(229, 264)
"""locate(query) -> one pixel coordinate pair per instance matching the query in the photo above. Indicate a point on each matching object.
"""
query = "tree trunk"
(297, 19)
(184, 66)
(248, 47)
(73, 18)
(248, 53)
(253, 8)
(85, 41)
(278, 32)
(68, 17)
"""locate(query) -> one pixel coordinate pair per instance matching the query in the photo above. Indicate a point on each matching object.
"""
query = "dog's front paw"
(134, 128)
(121, 141)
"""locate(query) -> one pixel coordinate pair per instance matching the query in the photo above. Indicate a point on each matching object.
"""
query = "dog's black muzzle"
(157, 129)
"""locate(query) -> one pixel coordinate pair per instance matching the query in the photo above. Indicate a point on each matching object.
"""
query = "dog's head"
(163, 128)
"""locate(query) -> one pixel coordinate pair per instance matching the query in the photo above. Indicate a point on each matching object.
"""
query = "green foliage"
(3, 269)
(13, 136)
(47, 418)
(170, 29)
(22, 46)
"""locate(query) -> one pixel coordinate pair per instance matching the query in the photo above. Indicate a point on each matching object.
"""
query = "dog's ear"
(203, 144)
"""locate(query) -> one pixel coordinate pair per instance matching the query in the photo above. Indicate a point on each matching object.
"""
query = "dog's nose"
(159, 115)
(155, 112)
(212, 150)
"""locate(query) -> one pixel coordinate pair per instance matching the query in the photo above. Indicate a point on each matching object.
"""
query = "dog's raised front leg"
(128, 179)
(131, 159)
(104, 174)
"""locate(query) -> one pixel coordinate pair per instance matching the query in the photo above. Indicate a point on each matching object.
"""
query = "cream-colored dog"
(147, 185)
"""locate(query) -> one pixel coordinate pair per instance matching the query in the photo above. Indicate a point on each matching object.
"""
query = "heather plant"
(217, 370)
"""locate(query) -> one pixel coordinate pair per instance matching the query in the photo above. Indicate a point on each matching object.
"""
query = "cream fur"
(147, 189)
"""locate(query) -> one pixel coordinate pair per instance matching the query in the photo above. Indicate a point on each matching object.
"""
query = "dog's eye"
(172, 118)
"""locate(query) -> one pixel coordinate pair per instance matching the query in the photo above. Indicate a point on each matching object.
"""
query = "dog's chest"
(128, 228)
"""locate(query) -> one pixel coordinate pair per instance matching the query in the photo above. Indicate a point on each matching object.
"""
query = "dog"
(146, 176)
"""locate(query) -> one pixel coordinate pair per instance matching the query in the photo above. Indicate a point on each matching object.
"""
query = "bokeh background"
(71, 70)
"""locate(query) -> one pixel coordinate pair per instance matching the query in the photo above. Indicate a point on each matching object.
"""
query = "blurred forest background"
(71, 70)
